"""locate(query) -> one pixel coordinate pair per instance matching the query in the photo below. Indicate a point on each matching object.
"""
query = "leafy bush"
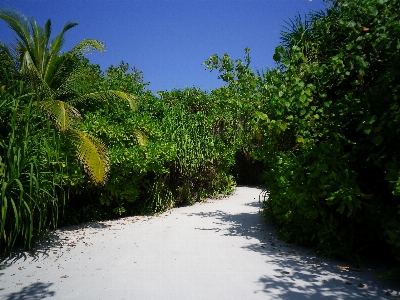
(203, 160)
(326, 124)
(165, 153)
(31, 169)
(335, 99)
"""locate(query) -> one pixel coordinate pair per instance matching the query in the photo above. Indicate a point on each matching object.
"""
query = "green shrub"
(336, 102)
(325, 122)
(32, 168)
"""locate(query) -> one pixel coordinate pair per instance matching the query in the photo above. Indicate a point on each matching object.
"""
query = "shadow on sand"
(45, 244)
(37, 290)
(300, 272)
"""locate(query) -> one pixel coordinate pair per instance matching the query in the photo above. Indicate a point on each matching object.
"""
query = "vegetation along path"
(216, 250)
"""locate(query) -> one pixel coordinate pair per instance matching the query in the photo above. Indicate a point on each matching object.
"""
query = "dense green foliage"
(322, 127)
(31, 169)
(334, 178)
(328, 129)
(60, 81)
(164, 154)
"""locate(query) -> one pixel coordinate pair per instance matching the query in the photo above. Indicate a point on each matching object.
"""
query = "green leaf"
(92, 154)
(279, 52)
(141, 137)
(377, 140)
(61, 113)
(351, 24)
(373, 11)
(323, 167)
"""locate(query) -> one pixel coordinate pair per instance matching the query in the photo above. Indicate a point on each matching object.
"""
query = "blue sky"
(169, 39)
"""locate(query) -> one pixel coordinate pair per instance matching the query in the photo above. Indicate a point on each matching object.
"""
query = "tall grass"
(30, 170)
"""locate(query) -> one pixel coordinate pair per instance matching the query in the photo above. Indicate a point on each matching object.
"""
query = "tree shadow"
(37, 290)
(295, 272)
(51, 241)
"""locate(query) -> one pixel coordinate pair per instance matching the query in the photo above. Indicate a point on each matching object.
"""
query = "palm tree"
(60, 82)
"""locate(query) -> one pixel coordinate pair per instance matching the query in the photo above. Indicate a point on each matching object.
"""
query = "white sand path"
(215, 250)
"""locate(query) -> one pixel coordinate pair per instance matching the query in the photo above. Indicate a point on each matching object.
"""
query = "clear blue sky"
(169, 40)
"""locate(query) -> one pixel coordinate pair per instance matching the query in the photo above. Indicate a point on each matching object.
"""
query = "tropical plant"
(60, 81)
(31, 169)
(205, 154)
(327, 127)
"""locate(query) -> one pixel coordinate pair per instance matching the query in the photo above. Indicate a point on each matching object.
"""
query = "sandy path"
(215, 250)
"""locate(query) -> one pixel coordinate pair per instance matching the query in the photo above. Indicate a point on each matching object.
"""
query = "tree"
(60, 81)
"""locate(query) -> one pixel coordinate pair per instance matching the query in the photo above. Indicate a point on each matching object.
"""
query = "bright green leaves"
(303, 98)
(92, 153)
(30, 170)
(236, 73)
(86, 46)
(53, 76)
(62, 114)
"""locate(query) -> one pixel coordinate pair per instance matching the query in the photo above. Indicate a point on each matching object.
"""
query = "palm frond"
(296, 30)
(34, 83)
(58, 70)
(141, 137)
(28, 64)
(92, 154)
(62, 114)
(56, 62)
(86, 46)
(48, 72)
(16, 22)
(76, 83)
(47, 31)
(58, 41)
(108, 95)
(36, 45)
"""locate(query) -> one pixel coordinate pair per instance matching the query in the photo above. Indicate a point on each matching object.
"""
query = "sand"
(218, 249)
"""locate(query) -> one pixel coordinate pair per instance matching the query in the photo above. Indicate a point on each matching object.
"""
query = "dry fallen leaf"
(346, 268)
(65, 276)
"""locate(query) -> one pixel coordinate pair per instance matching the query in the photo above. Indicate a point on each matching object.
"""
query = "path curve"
(220, 249)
